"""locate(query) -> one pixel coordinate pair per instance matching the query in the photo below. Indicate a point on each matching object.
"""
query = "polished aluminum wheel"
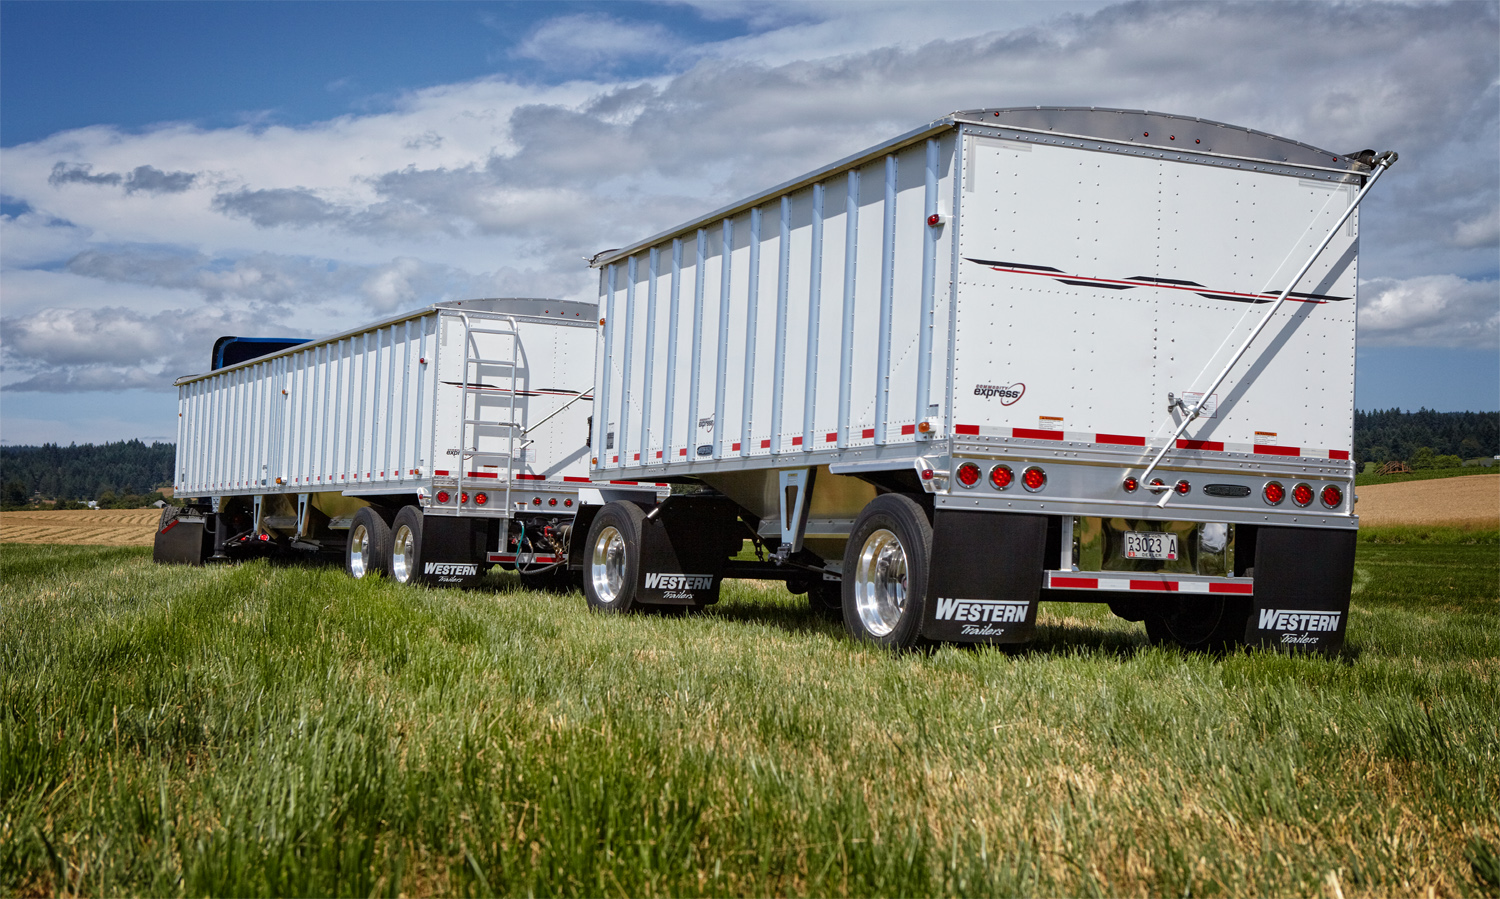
(880, 583)
(404, 555)
(359, 551)
(607, 567)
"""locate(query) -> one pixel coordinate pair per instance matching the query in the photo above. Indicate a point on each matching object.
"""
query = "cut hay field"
(81, 527)
(263, 730)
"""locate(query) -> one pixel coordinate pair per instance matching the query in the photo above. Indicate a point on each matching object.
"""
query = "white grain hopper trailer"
(1015, 355)
(425, 447)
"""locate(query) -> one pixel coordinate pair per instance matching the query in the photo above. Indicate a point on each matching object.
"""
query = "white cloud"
(1435, 310)
(589, 41)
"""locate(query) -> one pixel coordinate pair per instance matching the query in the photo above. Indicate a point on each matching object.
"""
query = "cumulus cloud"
(142, 179)
(589, 42)
(1435, 310)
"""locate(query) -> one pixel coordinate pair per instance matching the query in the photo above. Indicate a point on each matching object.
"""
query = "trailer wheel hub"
(607, 565)
(880, 583)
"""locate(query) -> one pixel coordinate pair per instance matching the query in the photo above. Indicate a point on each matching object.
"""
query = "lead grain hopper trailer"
(1016, 355)
(426, 447)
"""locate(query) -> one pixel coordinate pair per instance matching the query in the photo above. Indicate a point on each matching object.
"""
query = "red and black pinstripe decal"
(1232, 296)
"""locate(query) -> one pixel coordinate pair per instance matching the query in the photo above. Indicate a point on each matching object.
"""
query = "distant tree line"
(117, 475)
(1425, 439)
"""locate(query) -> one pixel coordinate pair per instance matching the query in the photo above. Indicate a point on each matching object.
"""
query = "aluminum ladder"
(474, 363)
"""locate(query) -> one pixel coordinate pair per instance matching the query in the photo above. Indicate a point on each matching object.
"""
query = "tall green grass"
(263, 730)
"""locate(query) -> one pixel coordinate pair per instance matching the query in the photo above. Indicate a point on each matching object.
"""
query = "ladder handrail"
(474, 359)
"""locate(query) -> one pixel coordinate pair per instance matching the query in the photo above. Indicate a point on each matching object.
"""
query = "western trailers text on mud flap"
(1011, 356)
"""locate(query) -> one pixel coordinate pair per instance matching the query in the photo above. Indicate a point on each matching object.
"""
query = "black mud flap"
(1303, 577)
(684, 545)
(986, 577)
(453, 550)
(181, 538)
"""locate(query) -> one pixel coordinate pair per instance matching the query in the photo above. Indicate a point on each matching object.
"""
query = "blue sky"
(176, 171)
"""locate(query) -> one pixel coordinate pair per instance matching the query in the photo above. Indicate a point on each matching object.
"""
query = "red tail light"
(1333, 497)
(1001, 477)
(567, 502)
(1033, 479)
(1131, 485)
(536, 500)
(552, 501)
(968, 474)
(442, 496)
(481, 498)
(1302, 495)
(1273, 493)
(1183, 488)
(463, 497)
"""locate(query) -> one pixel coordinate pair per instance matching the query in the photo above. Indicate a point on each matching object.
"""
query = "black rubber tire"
(901, 517)
(1212, 623)
(606, 593)
(405, 563)
(368, 551)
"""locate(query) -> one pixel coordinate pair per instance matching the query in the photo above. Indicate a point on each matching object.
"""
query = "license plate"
(1146, 545)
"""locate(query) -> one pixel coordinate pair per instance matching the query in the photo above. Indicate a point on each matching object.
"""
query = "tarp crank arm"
(1381, 163)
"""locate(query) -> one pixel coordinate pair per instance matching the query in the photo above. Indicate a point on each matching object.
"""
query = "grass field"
(278, 730)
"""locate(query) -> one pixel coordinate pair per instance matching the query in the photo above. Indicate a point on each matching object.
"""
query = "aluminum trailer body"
(1017, 354)
(427, 446)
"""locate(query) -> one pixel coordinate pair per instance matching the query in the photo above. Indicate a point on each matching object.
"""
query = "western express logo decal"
(983, 613)
(1299, 626)
(1232, 296)
(450, 568)
(1007, 394)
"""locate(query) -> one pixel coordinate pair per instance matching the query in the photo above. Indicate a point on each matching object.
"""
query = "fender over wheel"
(368, 551)
(886, 565)
(612, 558)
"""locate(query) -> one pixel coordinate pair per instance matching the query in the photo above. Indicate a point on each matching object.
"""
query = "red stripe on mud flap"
(1120, 439)
(171, 524)
(908, 429)
(1231, 588)
(572, 480)
(1338, 454)
(972, 430)
(1264, 449)
(1035, 434)
(529, 477)
(1170, 586)
(1212, 446)
(1077, 583)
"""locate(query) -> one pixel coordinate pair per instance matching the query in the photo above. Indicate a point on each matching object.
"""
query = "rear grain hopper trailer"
(426, 447)
(1014, 356)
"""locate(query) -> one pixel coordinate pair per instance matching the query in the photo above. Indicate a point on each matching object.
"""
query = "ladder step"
(497, 424)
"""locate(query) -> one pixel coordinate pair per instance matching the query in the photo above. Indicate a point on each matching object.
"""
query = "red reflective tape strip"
(796, 441)
(631, 483)
(1035, 434)
(682, 452)
(482, 474)
(1169, 586)
(171, 524)
(908, 429)
(572, 480)
(1231, 588)
(636, 457)
(735, 448)
(1079, 583)
(1210, 445)
(440, 472)
(1121, 439)
(966, 429)
(831, 438)
(658, 454)
(867, 434)
(615, 459)
(1338, 454)
(765, 444)
(529, 477)
(1263, 449)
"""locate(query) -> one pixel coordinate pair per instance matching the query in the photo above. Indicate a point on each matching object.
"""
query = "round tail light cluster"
(463, 497)
(481, 498)
(1132, 485)
(1183, 488)
(1333, 497)
(1273, 493)
(1033, 479)
(443, 496)
(968, 474)
(1001, 477)
(1302, 495)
